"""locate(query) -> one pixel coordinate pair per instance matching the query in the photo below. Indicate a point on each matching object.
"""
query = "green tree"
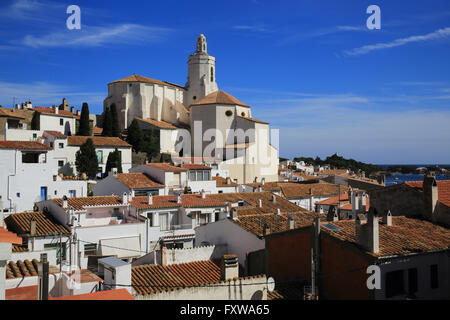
(84, 129)
(151, 143)
(35, 121)
(115, 121)
(86, 159)
(114, 161)
(107, 123)
(135, 136)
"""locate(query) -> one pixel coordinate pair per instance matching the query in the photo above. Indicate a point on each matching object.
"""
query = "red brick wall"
(290, 256)
(340, 280)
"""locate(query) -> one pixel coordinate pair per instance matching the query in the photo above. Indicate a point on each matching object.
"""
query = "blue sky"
(310, 68)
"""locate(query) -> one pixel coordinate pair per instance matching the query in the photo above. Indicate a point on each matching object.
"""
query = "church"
(198, 122)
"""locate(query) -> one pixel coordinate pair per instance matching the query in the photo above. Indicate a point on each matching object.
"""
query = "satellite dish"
(270, 284)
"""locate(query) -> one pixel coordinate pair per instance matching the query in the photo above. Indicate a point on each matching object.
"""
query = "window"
(434, 276)
(35, 135)
(117, 215)
(90, 249)
(394, 283)
(56, 192)
(206, 175)
(243, 114)
(192, 176)
(100, 156)
(212, 74)
(43, 193)
(60, 163)
(412, 280)
(61, 145)
(228, 113)
(57, 247)
(216, 215)
(61, 122)
(194, 97)
(164, 221)
(202, 218)
(220, 191)
(199, 175)
(18, 194)
(72, 193)
(51, 144)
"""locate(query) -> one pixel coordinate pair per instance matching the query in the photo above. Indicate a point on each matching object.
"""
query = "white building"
(55, 119)
(138, 184)
(193, 110)
(28, 175)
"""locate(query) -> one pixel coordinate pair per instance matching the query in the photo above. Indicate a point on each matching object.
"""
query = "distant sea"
(400, 178)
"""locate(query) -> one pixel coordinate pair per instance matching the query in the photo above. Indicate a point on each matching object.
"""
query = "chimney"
(72, 109)
(256, 180)
(32, 227)
(55, 109)
(130, 196)
(430, 194)
(203, 194)
(124, 198)
(229, 267)
(78, 112)
(354, 201)
(387, 219)
(64, 202)
(259, 189)
(263, 180)
(367, 234)
(150, 198)
(234, 214)
(113, 172)
(228, 180)
(259, 203)
(178, 198)
(291, 223)
(43, 277)
(163, 255)
(266, 230)
(278, 212)
(274, 198)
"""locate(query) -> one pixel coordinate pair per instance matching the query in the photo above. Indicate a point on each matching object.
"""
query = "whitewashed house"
(138, 184)
(28, 175)
(54, 119)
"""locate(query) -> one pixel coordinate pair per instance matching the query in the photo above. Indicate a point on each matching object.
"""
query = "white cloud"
(436, 35)
(321, 32)
(251, 28)
(33, 10)
(89, 36)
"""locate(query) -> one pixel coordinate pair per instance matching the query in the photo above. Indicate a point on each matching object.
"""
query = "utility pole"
(43, 266)
(60, 252)
(70, 253)
(313, 275)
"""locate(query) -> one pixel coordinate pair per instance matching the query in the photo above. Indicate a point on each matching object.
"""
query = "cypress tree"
(135, 136)
(84, 129)
(115, 121)
(86, 159)
(35, 121)
(114, 161)
(107, 123)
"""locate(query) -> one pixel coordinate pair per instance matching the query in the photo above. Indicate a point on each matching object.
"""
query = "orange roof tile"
(194, 166)
(299, 190)
(80, 203)
(187, 201)
(219, 97)
(166, 167)
(56, 134)
(222, 182)
(6, 112)
(334, 200)
(150, 278)
(405, 236)
(23, 145)
(137, 181)
(9, 237)
(22, 293)
(443, 189)
(51, 111)
(46, 225)
(116, 294)
(158, 124)
(253, 120)
(97, 130)
(98, 141)
(25, 268)
(138, 78)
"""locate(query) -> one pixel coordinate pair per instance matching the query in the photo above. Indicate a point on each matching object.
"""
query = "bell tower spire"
(201, 73)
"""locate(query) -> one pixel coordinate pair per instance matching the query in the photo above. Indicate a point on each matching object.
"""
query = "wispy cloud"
(91, 36)
(254, 28)
(32, 10)
(321, 32)
(436, 35)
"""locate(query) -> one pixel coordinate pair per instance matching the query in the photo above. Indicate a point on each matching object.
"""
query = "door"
(43, 193)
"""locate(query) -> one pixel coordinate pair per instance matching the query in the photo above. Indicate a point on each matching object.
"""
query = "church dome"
(219, 97)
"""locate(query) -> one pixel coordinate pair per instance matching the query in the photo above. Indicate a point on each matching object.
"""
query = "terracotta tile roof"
(304, 175)
(333, 172)
(158, 124)
(138, 78)
(137, 181)
(219, 97)
(56, 134)
(222, 182)
(348, 206)
(23, 145)
(80, 203)
(6, 112)
(267, 186)
(253, 120)
(46, 225)
(405, 236)
(299, 190)
(187, 201)
(116, 294)
(150, 278)
(443, 189)
(19, 248)
(178, 236)
(166, 167)
(287, 290)
(97, 130)
(51, 111)
(25, 268)
(194, 166)
(334, 200)
(98, 141)
(9, 237)
(22, 293)
(84, 276)
(251, 199)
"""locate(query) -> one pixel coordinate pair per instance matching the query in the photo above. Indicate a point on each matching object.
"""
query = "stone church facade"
(195, 108)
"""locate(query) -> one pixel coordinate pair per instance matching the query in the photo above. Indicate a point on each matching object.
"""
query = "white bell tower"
(201, 73)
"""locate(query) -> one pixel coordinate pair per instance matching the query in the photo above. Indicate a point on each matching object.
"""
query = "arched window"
(212, 74)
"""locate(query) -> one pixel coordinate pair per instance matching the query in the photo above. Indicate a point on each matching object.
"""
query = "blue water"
(400, 178)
